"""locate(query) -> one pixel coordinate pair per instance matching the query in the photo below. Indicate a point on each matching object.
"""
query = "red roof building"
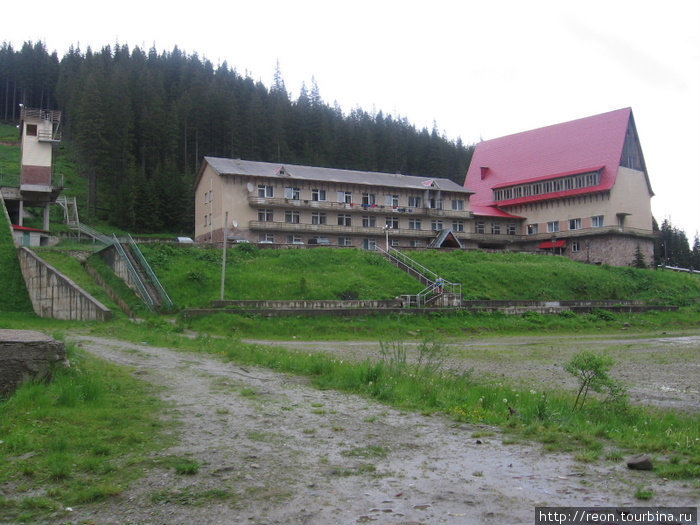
(583, 181)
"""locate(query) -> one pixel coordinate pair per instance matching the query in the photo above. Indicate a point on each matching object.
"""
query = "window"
(480, 227)
(345, 196)
(552, 226)
(368, 199)
(458, 205)
(392, 223)
(575, 246)
(344, 241)
(265, 191)
(415, 244)
(31, 130)
(369, 221)
(318, 195)
(533, 229)
(436, 225)
(458, 226)
(414, 202)
(511, 229)
(574, 224)
(318, 218)
(294, 239)
(267, 237)
(394, 243)
(344, 220)
(496, 228)
(392, 200)
(597, 221)
(291, 217)
(414, 224)
(369, 244)
(206, 217)
(292, 193)
(265, 215)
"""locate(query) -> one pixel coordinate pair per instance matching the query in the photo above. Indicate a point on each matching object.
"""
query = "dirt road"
(284, 452)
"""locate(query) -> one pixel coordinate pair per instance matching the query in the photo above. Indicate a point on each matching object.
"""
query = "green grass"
(192, 276)
(80, 439)
(14, 297)
(453, 324)
(519, 276)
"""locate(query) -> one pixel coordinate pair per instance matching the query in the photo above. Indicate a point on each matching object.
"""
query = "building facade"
(287, 204)
(579, 189)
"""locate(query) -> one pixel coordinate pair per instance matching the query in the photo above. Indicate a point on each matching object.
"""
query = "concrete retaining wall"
(26, 355)
(55, 295)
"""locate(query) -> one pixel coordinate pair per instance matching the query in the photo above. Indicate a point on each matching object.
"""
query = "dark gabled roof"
(585, 145)
(281, 171)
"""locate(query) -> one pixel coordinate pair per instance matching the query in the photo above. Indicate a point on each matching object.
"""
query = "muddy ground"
(281, 452)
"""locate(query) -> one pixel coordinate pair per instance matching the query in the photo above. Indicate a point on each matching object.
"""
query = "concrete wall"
(55, 295)
(26, 355)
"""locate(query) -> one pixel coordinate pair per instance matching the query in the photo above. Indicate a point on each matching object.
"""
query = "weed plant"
(14, 297)
(79, 439)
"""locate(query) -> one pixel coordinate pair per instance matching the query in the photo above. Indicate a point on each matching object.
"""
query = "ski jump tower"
(40, 132)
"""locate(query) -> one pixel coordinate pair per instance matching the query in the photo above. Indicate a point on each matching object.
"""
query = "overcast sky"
(480, 70)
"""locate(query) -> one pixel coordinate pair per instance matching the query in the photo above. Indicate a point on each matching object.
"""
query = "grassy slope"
(517, 276)
(14, 296)
(192, 276)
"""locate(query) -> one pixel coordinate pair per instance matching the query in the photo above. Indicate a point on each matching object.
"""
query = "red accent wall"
(36, 175)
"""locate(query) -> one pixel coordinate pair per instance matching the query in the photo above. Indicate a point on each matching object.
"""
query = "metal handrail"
(149, 271)
(133, 273)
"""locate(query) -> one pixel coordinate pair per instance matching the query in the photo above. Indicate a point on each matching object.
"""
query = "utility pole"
(223, 257)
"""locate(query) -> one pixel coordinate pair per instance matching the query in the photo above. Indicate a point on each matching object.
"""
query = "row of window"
(572, 182)
(497, 228)
(368, 199)
(368, 221)
(574, 224)
(367, 244)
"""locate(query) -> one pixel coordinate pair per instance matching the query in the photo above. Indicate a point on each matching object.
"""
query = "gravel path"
(287, 453)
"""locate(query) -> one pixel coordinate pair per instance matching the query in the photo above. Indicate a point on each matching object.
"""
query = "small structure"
(26, 236)
(39, 133)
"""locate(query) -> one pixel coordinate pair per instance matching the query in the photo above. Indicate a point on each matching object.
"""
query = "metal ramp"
(71, 218)
(437, 291)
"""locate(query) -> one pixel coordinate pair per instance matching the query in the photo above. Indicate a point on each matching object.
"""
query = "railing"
(335, 229)
(165, 299)
(133, 274)
(436, 286)
(274, 202)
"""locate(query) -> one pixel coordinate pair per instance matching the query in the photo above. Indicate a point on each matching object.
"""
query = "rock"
(25, 354)
(639, 462)
(479, 442)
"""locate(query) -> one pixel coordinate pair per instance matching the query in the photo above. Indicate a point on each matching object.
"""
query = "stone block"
(26, 354)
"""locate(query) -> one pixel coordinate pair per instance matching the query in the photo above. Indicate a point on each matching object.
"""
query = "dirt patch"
(659, 371)
(271, 449)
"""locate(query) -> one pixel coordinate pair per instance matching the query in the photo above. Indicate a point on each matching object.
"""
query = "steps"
(437, 291)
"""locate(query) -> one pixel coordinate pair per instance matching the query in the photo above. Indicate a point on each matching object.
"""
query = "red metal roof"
(549, 152)
(548, 245)
(26, 229)
(491, 211)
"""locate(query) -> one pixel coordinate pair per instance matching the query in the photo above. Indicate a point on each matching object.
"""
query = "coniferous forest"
(137, 124)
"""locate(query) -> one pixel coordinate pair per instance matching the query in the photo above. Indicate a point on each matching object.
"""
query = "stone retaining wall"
(26, 355)
(55, 295)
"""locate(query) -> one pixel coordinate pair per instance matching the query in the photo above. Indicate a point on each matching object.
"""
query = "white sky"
(479, 69)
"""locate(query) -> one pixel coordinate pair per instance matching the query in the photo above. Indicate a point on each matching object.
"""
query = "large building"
(289, 204)
(579, 188)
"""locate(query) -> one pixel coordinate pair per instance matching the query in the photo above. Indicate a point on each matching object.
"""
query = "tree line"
(137, 124)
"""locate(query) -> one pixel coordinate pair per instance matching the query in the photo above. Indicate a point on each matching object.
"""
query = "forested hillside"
(137, 124)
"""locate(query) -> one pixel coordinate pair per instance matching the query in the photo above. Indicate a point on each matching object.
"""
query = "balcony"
(383, 209)
(332, 229)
